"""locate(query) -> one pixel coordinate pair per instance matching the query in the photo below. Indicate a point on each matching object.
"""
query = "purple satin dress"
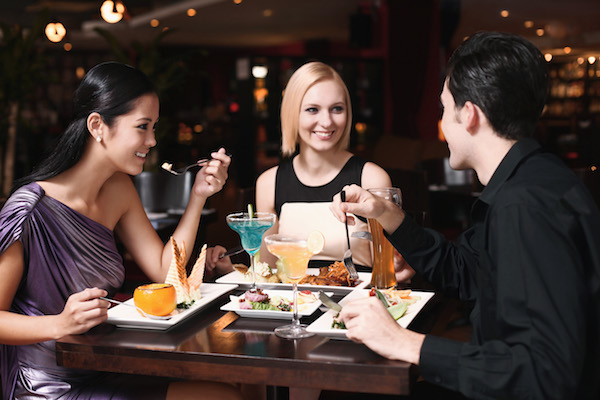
(64, 252)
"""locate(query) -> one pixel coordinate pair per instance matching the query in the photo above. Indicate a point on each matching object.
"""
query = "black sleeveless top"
(288, 189)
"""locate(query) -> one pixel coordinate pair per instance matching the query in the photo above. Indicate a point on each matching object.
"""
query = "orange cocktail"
(294, 253)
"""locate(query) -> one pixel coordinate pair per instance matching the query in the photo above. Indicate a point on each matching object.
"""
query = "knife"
(328, 302)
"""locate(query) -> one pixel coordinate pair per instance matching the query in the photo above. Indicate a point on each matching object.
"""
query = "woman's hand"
(216, 266)
(83, 311)
(211, 178)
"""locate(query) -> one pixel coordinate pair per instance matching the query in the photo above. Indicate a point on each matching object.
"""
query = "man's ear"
(95, 125)
(471, 116)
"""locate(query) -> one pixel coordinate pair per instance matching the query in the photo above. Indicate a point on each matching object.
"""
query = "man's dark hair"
(506, 76)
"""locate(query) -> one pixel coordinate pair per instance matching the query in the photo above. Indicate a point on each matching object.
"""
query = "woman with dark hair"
(57, 242)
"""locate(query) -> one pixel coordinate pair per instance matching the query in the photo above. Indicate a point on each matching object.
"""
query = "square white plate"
(322, 325)
(128, 317)
(238, 278)
(303, 311)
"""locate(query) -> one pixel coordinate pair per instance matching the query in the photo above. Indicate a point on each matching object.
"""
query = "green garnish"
(250, 211)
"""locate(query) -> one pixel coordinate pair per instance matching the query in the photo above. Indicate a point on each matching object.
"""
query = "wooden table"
(220, 346)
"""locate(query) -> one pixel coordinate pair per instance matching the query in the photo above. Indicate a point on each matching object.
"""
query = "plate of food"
(127, 316)
(272, 304)
(403, 304)
(333, 277)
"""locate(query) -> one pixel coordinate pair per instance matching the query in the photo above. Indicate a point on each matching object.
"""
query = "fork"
(169, 166)
(348, 263)
(145, 314)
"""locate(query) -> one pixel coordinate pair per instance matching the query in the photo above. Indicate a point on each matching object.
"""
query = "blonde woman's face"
(323, 116)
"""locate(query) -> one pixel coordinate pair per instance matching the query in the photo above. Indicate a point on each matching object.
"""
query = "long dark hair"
(110, 89)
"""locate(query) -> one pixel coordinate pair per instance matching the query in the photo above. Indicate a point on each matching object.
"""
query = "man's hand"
(360, 202)
(369, 322)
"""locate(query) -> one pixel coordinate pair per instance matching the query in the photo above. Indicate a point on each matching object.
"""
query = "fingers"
(212, 256)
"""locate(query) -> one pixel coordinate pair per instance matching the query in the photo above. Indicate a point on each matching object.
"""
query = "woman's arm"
(265, 202)
(140, 238)
(83, 310)
(373, 176)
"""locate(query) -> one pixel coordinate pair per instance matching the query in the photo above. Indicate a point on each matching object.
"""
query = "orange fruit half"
(156, 298)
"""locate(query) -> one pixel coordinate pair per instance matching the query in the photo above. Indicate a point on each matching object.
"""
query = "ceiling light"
(55, 32)
(504, 13)
(548, 57)
(237, 1)
(191, 12)
(591, 59)
(539, 32)
(154, 22)
(567, 50)
(528, 24)
(112, 11)
(259, 71)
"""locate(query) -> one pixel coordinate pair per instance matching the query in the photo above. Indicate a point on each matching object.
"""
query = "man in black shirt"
(530, 261)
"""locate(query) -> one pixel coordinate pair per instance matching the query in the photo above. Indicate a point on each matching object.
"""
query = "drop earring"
(99, 138)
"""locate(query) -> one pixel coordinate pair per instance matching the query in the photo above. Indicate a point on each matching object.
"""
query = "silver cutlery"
(200, 163)
(232, 252)
(326, 300)
(363, 235)
(145, 314)
(348, 263)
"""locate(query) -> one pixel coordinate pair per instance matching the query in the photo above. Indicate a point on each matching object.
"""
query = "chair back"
(163, 192)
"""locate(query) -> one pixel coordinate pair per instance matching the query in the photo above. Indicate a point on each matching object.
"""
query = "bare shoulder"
(375, 176)
(119, 194)
(265, 190)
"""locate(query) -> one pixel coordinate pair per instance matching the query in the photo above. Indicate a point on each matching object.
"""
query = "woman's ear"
(95, 126)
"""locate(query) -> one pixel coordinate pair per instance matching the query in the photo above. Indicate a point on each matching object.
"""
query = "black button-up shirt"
(531, 263)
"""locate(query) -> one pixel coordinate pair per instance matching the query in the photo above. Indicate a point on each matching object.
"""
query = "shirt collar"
(517, 153)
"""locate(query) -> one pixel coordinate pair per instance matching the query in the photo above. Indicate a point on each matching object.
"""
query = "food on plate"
(257, 299)
(332, 275)
(155, 298)
(264, 273)
(396, 301)
(186, 287)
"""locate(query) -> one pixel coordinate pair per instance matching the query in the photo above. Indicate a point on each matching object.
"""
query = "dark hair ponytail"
(110, 89)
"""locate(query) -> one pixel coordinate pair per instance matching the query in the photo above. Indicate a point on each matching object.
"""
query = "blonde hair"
(302, 80)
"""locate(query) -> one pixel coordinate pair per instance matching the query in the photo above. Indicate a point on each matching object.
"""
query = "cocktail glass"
(251, 230)
(294, 254)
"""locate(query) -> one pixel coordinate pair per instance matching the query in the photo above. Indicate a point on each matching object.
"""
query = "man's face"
(454, 131)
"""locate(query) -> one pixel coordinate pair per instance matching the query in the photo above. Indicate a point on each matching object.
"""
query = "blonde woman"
(316, 119)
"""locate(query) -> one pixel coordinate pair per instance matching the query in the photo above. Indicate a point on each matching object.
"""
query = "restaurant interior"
(220, 67)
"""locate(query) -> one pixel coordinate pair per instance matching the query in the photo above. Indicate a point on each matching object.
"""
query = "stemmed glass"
(294, 254)
(251, 229)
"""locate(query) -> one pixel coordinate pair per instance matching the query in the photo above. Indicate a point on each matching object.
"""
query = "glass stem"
(295, 321)
(253, 271)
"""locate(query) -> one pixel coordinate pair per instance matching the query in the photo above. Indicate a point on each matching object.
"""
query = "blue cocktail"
(251, 231)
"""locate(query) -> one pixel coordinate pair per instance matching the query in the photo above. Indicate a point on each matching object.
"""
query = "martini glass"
(251, 230)
(294, 254)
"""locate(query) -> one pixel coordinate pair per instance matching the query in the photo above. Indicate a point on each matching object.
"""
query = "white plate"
(322, 325)
(308, 309)
(128, 317)
(238, 278)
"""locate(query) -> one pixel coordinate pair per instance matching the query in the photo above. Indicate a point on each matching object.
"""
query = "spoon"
(145, 314)
(348, 263)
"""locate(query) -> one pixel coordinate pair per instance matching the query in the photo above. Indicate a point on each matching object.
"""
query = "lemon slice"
(315, 242)
(398, 310)
(250, 211)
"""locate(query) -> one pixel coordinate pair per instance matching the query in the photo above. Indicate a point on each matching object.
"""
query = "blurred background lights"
(112, 11)
(191, 12)
(567, 50)
(528, 24)
(79, 72)
(268, 12)
(591, 59)
(68, 46)
(55, 32)
(237, 1)
(580, 60)
(539, 32)
(548, 57)
(504, 13)
(259, 71)
(154, 22)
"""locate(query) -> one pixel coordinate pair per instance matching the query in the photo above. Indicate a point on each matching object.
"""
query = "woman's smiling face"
(132, 135)
(323, 116)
